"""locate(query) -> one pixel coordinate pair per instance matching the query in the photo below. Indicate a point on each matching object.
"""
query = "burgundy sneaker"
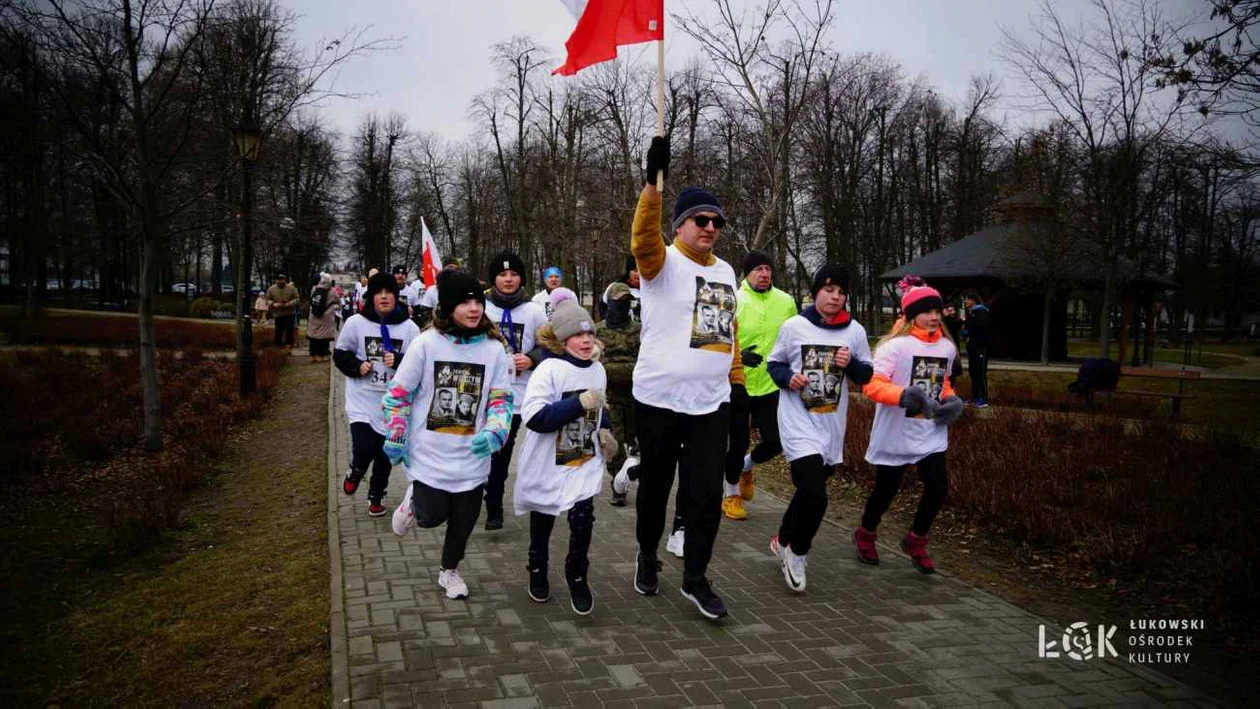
(916, 547)
(376, 509)
(864, 541)
(351, 482)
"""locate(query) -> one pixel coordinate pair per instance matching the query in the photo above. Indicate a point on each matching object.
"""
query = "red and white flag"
(604, 25)
(431, 261)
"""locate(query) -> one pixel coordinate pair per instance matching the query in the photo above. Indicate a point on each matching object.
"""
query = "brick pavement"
(859, 636)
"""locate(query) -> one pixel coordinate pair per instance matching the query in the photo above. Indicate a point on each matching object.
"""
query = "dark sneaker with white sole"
(707, 602)
(539, 587)
(646, 575)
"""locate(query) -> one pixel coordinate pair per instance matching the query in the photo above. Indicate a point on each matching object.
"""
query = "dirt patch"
(230, 608)
(1042, 582)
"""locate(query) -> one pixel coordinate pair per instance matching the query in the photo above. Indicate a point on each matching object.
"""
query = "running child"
(914, 406)
(824, 339)
(518, 319)
(568, 435)
(447, 411)
(369, 350)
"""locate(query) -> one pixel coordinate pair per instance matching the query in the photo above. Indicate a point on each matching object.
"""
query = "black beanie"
(692, 200)
(456, 288)
(754, 259)
(631, 265)
(380, 282)
(506, 260)
(400, 269)
(830, 274)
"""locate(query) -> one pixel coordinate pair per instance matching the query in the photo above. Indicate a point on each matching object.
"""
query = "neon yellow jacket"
(760, 315)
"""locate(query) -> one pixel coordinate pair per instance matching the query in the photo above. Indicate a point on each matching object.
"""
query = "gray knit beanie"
(569, 319)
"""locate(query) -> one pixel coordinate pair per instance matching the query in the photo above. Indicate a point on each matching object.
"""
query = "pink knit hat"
(920, 299)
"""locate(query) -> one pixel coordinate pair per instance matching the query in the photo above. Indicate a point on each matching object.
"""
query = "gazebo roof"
(981, 256)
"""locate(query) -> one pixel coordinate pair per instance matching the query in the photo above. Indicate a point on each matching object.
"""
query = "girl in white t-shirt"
(368, 352)
(447, 410)
(914, 405)
(568, 436)
(815, 354)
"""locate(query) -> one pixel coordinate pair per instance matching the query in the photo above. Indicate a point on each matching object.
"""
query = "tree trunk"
(1104, 312)
(148, 339)
(1045, 325)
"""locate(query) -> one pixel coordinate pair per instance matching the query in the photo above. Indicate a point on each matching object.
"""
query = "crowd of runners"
(450, 380)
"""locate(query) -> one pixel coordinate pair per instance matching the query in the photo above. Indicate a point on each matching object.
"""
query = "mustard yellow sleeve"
(646, 242)
(737, 364)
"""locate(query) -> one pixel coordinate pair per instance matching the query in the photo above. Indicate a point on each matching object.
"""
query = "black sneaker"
(707, 602)
(494, 519)
(539, 587)
(646, 569)
(618, 500)
(580, 594)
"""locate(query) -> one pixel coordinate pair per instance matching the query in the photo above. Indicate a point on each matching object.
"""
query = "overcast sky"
(443, 54)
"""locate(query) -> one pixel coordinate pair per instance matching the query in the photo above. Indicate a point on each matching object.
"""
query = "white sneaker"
(675, 543)
(794, 570)
(621, 482)
(455, 587)
(775, 547)
(405, 515)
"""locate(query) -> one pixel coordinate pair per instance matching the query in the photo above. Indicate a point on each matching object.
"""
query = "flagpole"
(660, 101)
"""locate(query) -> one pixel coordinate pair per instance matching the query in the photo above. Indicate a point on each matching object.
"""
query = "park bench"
(1181, 375)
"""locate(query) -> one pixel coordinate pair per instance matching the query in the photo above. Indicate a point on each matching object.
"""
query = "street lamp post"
(246, 136)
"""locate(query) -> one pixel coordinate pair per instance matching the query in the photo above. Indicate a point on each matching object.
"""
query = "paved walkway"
(859, 636)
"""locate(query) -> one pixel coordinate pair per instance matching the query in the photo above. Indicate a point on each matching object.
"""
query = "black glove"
(748, 358)
(915, 401)
(949, 411)
(739, 397)
(657, 159)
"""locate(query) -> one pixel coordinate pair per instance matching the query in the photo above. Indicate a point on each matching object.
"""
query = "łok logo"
(1077, 643)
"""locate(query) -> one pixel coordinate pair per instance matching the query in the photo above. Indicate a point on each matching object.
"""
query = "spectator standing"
(979, 333)
(321, 329)
(283, 300)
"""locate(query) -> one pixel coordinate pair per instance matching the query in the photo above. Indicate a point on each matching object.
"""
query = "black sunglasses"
(702, 221)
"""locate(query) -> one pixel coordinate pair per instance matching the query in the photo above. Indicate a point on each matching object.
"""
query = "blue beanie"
(552, 271)
(692, 200)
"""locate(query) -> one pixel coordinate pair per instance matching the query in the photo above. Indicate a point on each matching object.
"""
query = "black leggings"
(700, 441)
(367, 447)
(499, 470)
(458, 510)
(581, 526)
(888, 482)
(978, 370)
(319, 346)
(805, 512)
(764, 413)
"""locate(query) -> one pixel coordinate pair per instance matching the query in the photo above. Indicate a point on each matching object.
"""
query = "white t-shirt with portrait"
(363, 337)
(526, 319)
(896, 438)
(687, 336)
(813, 421)
(450, 385)
(559, 469)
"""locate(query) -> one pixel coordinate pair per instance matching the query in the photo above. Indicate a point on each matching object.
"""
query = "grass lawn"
(1213, 357)
(229, 608)
(1233, 405)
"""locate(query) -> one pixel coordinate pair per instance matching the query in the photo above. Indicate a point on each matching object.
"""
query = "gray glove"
(949, 411)
(592, 399)
(915, 401)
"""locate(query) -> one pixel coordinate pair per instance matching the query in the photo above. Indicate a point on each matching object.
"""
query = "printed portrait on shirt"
(575, 443)
(515, 337)
(928, 373)
(822, 394)
(711, 321)
(374, 349)
(456, 397)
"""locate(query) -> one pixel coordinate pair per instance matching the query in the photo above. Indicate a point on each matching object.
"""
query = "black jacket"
(979, 329)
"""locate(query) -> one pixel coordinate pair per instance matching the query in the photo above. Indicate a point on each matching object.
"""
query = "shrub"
(118, 331)
(207, 307)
